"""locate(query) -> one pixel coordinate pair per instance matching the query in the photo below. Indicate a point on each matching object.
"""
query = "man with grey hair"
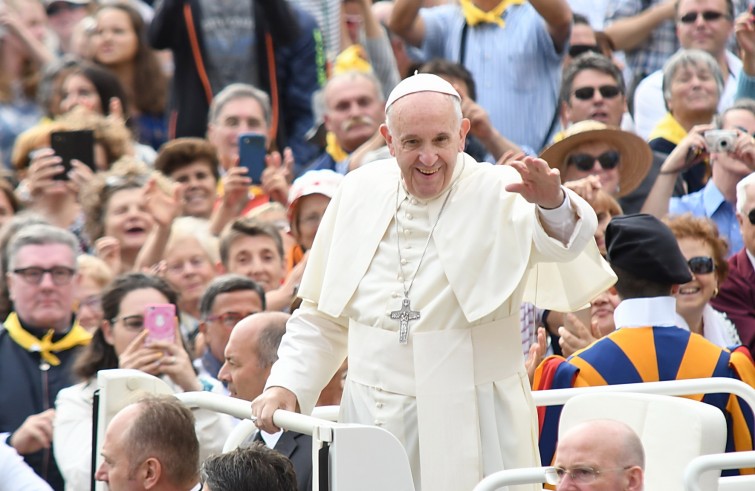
(600, 455)
(250, 353)
(700, 24)
(354, 105)
(430, 325)
(38, 342)
(736, 295)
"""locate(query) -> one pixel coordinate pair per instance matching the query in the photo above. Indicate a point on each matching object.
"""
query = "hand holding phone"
(160, 323)
(252, 151)
(69, 145)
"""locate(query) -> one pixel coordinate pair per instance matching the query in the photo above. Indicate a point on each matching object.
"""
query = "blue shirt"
(709, 202)
(516, 68)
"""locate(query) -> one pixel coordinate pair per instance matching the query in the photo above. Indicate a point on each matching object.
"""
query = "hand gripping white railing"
(511, 477)
(704, 463)
(713, 385)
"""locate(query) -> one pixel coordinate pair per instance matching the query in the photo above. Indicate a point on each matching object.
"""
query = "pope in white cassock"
(417, 273)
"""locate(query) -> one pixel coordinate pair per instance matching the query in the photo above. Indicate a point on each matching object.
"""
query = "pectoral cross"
(404, 315)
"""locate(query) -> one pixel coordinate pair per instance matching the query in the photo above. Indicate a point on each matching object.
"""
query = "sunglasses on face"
(585, 162)
(708, 16)
(701, 265)
(606, 91)
(751, 216)
(578, 49)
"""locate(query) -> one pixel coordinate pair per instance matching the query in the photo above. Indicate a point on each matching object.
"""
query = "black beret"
(642, 245)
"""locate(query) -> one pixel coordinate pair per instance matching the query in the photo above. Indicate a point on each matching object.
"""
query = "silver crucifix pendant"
(404, 315)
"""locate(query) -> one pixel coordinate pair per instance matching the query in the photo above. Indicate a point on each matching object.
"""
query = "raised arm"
(406, 22)
(630, 32)
(558, 17)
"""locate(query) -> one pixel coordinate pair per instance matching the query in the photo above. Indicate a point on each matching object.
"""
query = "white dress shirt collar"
(642, 312)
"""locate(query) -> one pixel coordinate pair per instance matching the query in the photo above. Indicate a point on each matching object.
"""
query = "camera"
(719, 141)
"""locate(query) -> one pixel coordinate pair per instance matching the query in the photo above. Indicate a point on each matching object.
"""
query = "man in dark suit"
(736, 296)
(251, 350)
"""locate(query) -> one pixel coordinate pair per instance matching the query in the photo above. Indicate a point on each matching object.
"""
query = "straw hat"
(636, 155)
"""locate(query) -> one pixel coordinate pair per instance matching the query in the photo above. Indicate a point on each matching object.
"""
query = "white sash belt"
(441, 369)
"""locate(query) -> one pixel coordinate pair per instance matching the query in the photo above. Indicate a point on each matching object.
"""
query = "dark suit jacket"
(298, 448)
(736, 298)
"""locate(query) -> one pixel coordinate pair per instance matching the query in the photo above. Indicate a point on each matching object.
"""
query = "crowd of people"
(450, 203)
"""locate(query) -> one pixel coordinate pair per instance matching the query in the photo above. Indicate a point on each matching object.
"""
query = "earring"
(715, 291)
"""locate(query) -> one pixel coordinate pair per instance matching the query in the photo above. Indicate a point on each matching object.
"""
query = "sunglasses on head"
(708, 16)
(606, 91)
(701, 265)
(578, 49)
(585, 162)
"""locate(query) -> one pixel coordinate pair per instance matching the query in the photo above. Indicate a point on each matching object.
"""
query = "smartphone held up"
(160, 323)
(252, 151)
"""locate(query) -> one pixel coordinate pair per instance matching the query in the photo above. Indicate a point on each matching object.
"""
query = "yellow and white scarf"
(77, 336)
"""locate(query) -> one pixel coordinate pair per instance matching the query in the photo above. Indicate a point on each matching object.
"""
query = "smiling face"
(126, 218)
(309, 212)
(693, 90)
(601, 311)
(200, 188)
(425, 135)
(609, 178)
(189, 270)
(114, 41)
(257, 257)
(693, 296)
(354, 110)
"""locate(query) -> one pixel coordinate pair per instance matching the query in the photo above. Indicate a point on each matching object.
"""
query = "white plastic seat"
(673, 431)
(732, 460)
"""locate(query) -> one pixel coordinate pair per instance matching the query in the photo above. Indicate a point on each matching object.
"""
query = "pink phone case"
(160, 321)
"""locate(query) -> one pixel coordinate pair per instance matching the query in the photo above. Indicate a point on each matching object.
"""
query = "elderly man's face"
(696, 32)
(353, 110)
(116, 468)
(586, 452)
(745, 225)
(46, 304)
(606, 103)
(426, 137)
(597, 151)
(243, 371)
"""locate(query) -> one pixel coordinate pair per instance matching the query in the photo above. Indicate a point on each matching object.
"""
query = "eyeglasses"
(606, 91)
(578, 49)
(61, 275)
(56, 7)
(701, 265)
(229, 319)
(751, 216)
(94, 302)
(708, 16)
(179, 267)
(585, 162)
(584, 475)
(130, 322)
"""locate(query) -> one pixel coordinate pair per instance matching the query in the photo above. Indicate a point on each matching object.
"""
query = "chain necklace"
(405, 313)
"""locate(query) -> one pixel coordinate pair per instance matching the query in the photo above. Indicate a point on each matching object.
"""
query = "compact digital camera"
(719, 141)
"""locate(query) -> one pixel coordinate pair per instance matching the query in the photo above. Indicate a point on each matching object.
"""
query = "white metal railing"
(704, 463)
(511, 477)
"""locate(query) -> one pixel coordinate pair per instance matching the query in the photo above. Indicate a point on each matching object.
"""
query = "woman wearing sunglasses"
(618, 158)
(706, 255)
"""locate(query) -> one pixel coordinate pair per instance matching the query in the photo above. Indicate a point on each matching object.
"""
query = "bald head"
(250, 353)
(607, 446)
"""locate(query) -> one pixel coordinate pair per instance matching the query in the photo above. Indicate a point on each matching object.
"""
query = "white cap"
(420, 82)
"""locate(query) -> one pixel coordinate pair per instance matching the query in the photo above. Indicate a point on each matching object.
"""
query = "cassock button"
(413, 201)
(396, 294)
(404, 261)
(400, 277)
(409, 216)
(378, 422)
(379, 405)
(407, 231)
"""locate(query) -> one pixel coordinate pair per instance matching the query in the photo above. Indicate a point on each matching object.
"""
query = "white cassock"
(457, 394)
